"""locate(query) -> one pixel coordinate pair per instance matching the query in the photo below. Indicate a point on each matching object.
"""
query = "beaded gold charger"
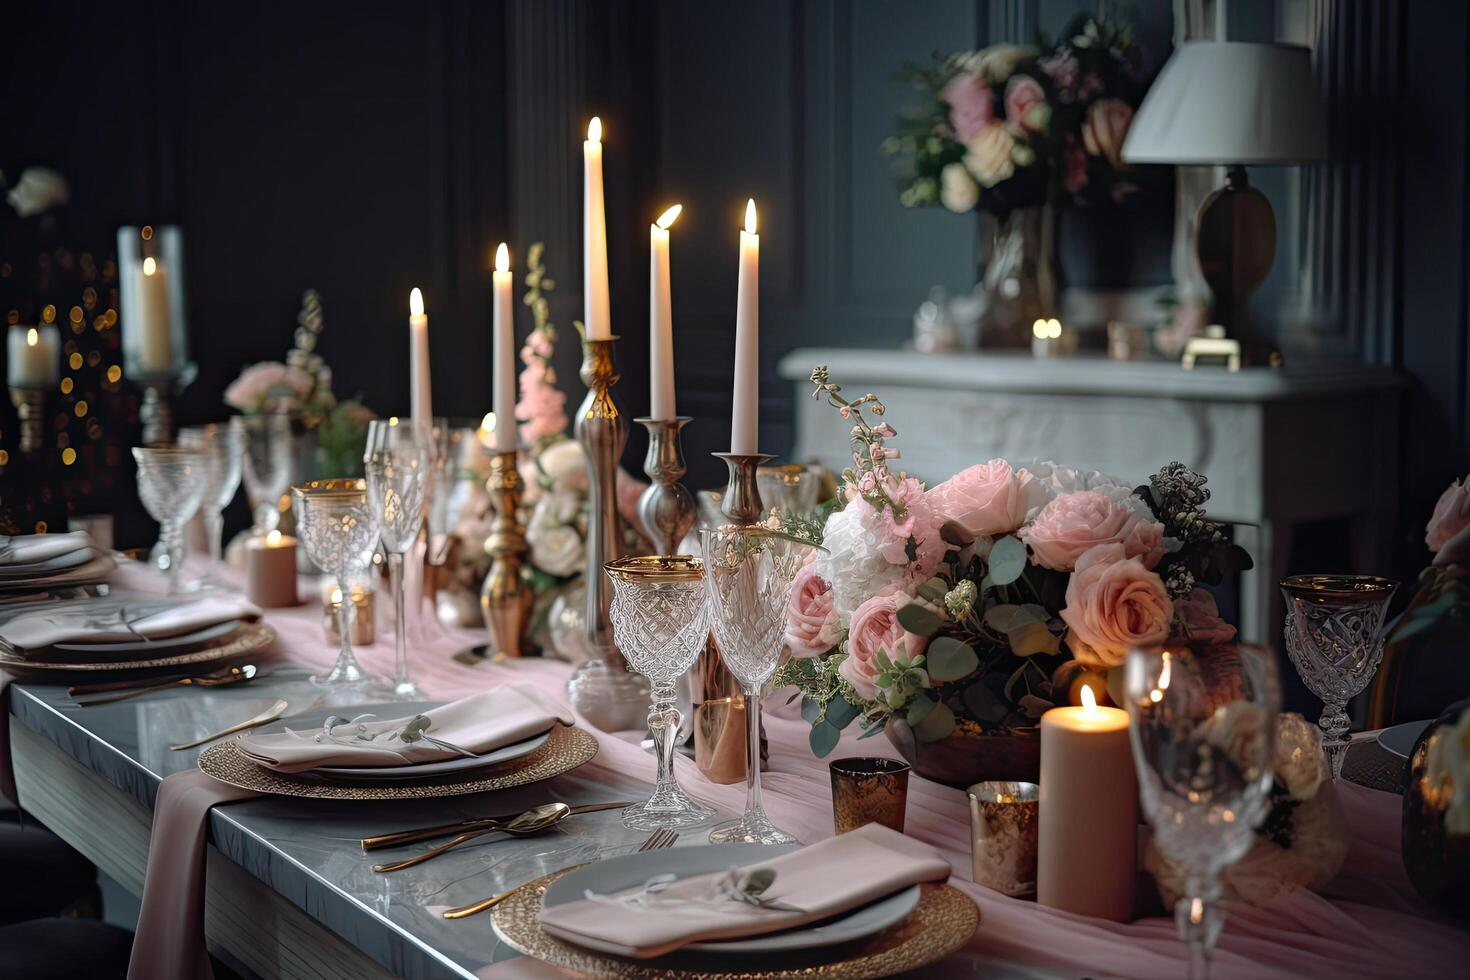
(944, 920)
(248, 639)
(565, 750)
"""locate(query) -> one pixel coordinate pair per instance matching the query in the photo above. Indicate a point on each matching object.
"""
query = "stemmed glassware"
(748, 574)
(660, 624)
(267, 441)
(339, 530)
(171, 484)
(1334, 637)
(395, 491)
(1204, 745)
(223, 448)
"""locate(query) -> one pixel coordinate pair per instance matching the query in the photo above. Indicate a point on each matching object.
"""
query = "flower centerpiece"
(964, 611)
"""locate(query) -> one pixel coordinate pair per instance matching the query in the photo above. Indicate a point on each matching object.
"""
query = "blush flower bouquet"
(978, 604)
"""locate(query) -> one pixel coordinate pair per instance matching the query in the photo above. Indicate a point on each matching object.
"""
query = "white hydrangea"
(853, 563)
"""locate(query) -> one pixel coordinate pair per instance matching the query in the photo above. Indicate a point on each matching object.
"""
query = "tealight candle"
(270, 570)
(1088, 836)
(363, 628)
(1047, 339)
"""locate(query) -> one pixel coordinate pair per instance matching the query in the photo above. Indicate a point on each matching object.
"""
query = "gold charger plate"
(567, 749)
(944, 920)
(249, 638)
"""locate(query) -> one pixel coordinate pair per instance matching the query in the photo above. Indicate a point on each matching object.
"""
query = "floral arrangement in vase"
(1013, 126)
(976, 605)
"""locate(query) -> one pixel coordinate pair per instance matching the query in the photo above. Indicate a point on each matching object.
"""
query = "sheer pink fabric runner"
(1366, 923)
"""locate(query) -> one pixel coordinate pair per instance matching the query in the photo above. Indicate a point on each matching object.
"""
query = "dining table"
(290, 892)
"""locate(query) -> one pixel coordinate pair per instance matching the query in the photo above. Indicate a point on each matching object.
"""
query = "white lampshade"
(1228, 102)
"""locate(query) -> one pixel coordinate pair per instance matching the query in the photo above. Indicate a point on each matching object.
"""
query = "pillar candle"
(504, 397)
(270, 570)
(35, 359)
(596, 318)
(420, 397)
(155, 331)
(660, 319)
(746, 400)
(1088, 835)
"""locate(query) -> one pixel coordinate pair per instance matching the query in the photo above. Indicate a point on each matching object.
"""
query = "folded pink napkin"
(481, 723)
(118, 619)
(27, 549)
(169, 941)
(822, 880)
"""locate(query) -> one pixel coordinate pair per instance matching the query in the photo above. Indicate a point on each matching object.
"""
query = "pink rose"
(1103, 131)
(1454, 557)
(971, 105)
(1198, 619)
(875, 627)
(1073, 523)
(811, 617)
(1114, 604)
(1451, 515)
(1022, 92)
(989, 498)
(1062, 69)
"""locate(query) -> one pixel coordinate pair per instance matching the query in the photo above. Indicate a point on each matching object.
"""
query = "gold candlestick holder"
(505, 598)
(666, 508)
(30, 409)
(602, 689)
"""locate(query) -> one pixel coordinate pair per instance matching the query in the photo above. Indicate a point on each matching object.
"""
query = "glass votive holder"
(868, 790)
(364, 628)
(1003, 820)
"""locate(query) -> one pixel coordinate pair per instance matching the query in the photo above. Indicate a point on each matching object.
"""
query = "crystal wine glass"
(660, 624)
(395, 490)
(223, 447)
(748, 573)
(171, 484)
(338, 529)
(1203, 728)
(267, 441)
(1334, 637)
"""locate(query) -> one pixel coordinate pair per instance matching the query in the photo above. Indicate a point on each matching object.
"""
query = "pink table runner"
(1368, 922)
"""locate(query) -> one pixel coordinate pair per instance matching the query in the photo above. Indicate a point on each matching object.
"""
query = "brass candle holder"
(505, 598)
(30, 409)
(666, 508)
(602, 689)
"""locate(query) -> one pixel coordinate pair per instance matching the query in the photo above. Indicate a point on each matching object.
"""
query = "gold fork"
(660, 839)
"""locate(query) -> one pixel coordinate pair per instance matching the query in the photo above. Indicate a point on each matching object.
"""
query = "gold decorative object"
(567, 749)
(868, 790)
(944, 920)
(251, 637)
(666, 508)
(30, 408)
(796, 488)
(1436, 854)
(1003, 822)
(364, 625)
(602, 689)
(505, 598)
(1214, 347)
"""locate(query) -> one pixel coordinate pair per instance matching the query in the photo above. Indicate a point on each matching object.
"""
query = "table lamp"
(1232, 103)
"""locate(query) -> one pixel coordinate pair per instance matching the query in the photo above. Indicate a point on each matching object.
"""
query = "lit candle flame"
(1047, 329)
(1089, 700)
(502, 258)
(149, 266)
(594, 130)
(667, 218)
(336, 597)
(416, 302)
(750, 216)
(1157, 694)
(488, 422)
(272, 539)
(392, 421)
(33, 337)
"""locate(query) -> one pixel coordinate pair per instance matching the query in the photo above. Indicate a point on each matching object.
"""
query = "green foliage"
(1007, 560)
(951, 659)
(920, 620)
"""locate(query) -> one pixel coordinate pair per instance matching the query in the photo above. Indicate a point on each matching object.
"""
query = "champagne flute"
(223, 447)
(395, 490)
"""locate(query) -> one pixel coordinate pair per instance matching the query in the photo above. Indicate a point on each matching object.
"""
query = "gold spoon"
(220, 678)
(268, 715)
(532, 821)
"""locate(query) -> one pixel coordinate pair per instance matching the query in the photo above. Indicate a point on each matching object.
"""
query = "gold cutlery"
(465, 826)
(219, 678)
(532, 821)
(265, 717)
(661, 839)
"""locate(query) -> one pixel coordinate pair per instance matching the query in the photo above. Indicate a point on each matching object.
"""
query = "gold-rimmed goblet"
(171, 484)
(660, 624)
(337, 527)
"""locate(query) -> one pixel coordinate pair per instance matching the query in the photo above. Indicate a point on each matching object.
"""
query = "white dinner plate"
(632, 870)
(1400, 739)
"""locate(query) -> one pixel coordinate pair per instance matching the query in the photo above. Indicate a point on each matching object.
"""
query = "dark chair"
(63, 949)
(45, 876)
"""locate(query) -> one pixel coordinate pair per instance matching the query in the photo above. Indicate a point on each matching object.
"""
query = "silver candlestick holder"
(666, 508)
(602, 689)
(742, 501)
(30, 410)
(156, 410)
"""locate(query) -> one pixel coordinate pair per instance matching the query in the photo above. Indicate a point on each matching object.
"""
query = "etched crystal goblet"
(338, 530)
(1334, 637)
(1204, 751)
(171, 484)
(660, 624)
(267, 441)
(395, 490)
(748, 572)
(223, 447)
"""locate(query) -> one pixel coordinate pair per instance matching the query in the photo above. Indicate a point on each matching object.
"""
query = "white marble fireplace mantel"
(1280, 447)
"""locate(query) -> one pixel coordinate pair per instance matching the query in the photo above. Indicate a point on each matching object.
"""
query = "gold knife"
(465, 826)
(268, 715)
